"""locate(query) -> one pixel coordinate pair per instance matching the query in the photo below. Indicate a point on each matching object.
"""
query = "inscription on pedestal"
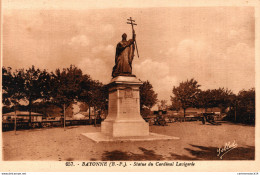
(129, 106)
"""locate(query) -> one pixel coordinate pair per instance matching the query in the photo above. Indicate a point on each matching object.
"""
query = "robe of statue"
(124, 57)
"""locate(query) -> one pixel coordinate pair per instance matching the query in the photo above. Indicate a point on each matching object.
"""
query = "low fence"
(186, 119)
(8, 126)
(172, 118)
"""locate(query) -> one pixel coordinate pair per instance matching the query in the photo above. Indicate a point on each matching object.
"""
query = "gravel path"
(197, 142)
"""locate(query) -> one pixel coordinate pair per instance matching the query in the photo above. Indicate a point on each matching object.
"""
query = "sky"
(213, 45)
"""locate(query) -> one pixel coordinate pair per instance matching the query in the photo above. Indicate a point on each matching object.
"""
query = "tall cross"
(132, 22)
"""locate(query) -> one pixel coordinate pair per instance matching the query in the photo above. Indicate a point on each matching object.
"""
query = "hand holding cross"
(132, 24)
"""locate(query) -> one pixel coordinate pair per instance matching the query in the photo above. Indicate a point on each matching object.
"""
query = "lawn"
(197, 142)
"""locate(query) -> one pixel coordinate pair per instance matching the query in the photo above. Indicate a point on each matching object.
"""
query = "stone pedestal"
(124, 117)
(124, 122)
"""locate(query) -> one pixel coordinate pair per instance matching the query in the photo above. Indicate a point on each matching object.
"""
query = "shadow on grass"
(196, 153)
(210, 153)
(70, 159)
(235, 123)
(71, 127)
(120, 155)
(216, 124)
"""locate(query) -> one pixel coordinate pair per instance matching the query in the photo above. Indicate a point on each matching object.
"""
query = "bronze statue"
(125, 54)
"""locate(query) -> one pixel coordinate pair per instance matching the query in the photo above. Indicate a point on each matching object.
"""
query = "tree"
(245, 106)
(247, 98)
(66, 87)
(85, 93)
(7, 80)
(85, 86)
(32, 87)
(46, 84)
(98, 96)
(186, 94)
(214, 98)
(224, 98)
(148, 97)
(13, 88)
(205, 99)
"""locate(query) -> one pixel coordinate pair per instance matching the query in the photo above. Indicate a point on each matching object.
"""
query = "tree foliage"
(186, 94)
(176, 104)
(62, 87)
(246, 100)
(148, 97)
(32, 89)
(243, 107)
(98, 96)
(66, 86)
(46, 84)
(12, 86)
(214, 98)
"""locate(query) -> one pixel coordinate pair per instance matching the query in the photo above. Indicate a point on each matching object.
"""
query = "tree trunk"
(30, 113)
(184, 111)
(89, 112)
(95, 117)
(64, 116)
(15, 120)
(45, 109)
(235, 112)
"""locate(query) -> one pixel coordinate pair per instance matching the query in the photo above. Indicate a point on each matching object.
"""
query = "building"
(191, 112)
(22, 116)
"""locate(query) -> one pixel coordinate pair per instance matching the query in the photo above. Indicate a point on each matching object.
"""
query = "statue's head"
(124, 36)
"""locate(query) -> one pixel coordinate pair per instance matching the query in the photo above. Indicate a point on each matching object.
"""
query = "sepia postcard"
(131, 86)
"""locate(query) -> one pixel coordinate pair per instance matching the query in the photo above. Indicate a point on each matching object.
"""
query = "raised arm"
(122, 46)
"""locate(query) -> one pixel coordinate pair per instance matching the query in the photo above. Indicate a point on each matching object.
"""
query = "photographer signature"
(227, 147)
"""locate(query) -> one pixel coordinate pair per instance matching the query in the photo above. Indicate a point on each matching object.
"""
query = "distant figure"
(124, 56)
(209, 117)
(203, 120)
(159, 120)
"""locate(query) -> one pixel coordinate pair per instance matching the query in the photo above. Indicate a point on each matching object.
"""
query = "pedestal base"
(125, 128)
(100, 137)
